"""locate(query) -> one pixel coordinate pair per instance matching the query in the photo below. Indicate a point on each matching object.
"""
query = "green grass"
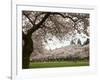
(58, 64)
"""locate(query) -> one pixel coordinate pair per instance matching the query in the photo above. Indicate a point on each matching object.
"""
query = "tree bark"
(27, 50)
(28, 43)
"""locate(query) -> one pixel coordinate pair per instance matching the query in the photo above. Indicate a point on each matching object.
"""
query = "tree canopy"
(60, 24)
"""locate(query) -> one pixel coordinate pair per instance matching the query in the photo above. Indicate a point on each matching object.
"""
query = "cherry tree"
(36, 25)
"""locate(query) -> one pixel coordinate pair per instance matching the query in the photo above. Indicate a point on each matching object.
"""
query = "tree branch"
(23, 35)
(29, 18)
(36, 27)
(47, 14)
(56, 13)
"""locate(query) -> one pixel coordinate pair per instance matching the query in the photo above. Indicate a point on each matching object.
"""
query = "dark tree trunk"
(27, 50)
(28, 43)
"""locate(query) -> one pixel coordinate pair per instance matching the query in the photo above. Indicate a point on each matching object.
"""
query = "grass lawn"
(58, 64)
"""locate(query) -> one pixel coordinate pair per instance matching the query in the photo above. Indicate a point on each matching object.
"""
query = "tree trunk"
(28, 43)
(27, 50)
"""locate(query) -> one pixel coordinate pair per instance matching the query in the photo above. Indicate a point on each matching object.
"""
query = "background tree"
(38, 25)
(79, 42)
